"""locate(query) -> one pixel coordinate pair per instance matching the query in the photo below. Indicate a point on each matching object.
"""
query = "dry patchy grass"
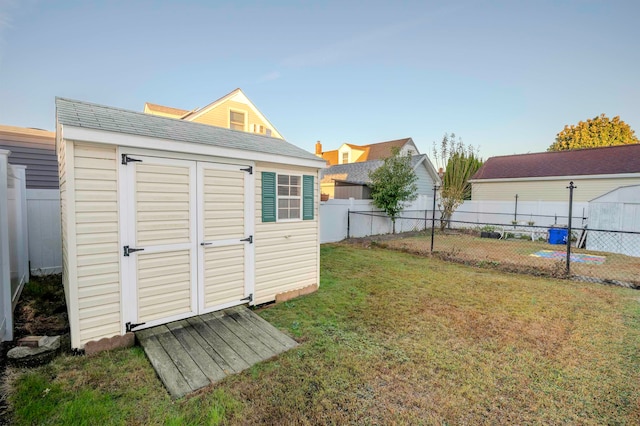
(514, 255)
(390, 338)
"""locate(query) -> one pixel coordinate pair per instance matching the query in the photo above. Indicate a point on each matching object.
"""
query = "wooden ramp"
(193, 353)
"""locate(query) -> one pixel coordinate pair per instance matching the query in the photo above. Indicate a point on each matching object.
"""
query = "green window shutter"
(268, 197)
(308, 203)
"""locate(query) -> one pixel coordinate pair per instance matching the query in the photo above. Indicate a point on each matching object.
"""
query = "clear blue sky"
(506, 76)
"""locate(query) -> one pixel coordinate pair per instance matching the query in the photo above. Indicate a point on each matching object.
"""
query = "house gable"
(232, 111)
(218, 113)
(371, 152)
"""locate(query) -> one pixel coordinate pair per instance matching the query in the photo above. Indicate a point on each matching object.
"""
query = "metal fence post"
(515, 212)
(433, 215)
(571, 187)
(426, 212)
(348, 221)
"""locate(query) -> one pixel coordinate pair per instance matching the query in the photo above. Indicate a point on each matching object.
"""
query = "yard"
(390, 337)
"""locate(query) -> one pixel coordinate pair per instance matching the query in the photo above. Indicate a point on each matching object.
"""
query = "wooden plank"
(215, 356)
(232, 340)
(148, 333)
(190, 354)
(233, 359)
(268, 328)
(199, 355)
(195, 378)
(258, 333)
(163, 364)
(251, 339)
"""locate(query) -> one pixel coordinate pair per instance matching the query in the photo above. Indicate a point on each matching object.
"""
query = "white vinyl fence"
(6, 319)
(14, 269)
(45, 240)
(335, 217)
(541, 213)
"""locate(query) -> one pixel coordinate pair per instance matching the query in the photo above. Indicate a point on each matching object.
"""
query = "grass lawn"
(389, 338)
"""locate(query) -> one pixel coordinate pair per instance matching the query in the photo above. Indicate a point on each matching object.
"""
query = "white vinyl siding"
(97, 247)
(224, 228)
(286, 253)
(425, 181)
(164, 284)
(161, 220)
(64, 216)
(547, 190)
(224, 275)
(223, 204)
(162, 204)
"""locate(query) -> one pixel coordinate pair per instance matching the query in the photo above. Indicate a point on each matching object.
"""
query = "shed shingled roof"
(99, 117)
(580, 162)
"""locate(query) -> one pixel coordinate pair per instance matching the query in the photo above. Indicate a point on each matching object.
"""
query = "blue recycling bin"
(558, 235)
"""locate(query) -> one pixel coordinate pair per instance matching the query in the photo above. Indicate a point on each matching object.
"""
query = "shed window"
(287, 197)
(236, 120)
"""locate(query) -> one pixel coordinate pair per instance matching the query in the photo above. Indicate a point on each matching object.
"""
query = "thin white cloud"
(359, 43)
(273, 75)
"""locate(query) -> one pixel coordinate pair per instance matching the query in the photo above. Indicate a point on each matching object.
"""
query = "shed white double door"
(187, 238)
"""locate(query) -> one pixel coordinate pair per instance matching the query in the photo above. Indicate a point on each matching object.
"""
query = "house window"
(236, 120)
(345, 158)
(289, 197)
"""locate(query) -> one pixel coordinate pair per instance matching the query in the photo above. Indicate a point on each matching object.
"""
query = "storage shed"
(164, 219)
(617, 210)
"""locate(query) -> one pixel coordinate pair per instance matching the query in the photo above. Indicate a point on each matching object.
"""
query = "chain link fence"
(606, 256)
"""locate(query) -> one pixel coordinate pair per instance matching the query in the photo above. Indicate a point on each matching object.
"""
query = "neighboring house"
(165, 219)
(545, 176)
(35, 149)
(357, 185)
(233, 111)
(345, 181)
(350, 153)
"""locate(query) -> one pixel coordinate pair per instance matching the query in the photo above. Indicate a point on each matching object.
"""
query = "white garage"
(617, 210)
(164, 219)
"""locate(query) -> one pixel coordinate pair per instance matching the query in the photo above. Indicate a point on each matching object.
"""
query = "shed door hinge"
(248, 298)
(249, 239)
(126, 159)
(248, 169)
(130, 326)
(128, 250)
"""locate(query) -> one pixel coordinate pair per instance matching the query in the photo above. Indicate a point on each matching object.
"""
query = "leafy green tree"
(595, 132)
(393, 184)
(460, 162)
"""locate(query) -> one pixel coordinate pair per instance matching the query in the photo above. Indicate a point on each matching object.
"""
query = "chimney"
(318, 149)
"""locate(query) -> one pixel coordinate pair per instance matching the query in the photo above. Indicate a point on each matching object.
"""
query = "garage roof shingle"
(593, 161)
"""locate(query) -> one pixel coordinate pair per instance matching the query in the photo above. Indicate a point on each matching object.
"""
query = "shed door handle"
(128, 250)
